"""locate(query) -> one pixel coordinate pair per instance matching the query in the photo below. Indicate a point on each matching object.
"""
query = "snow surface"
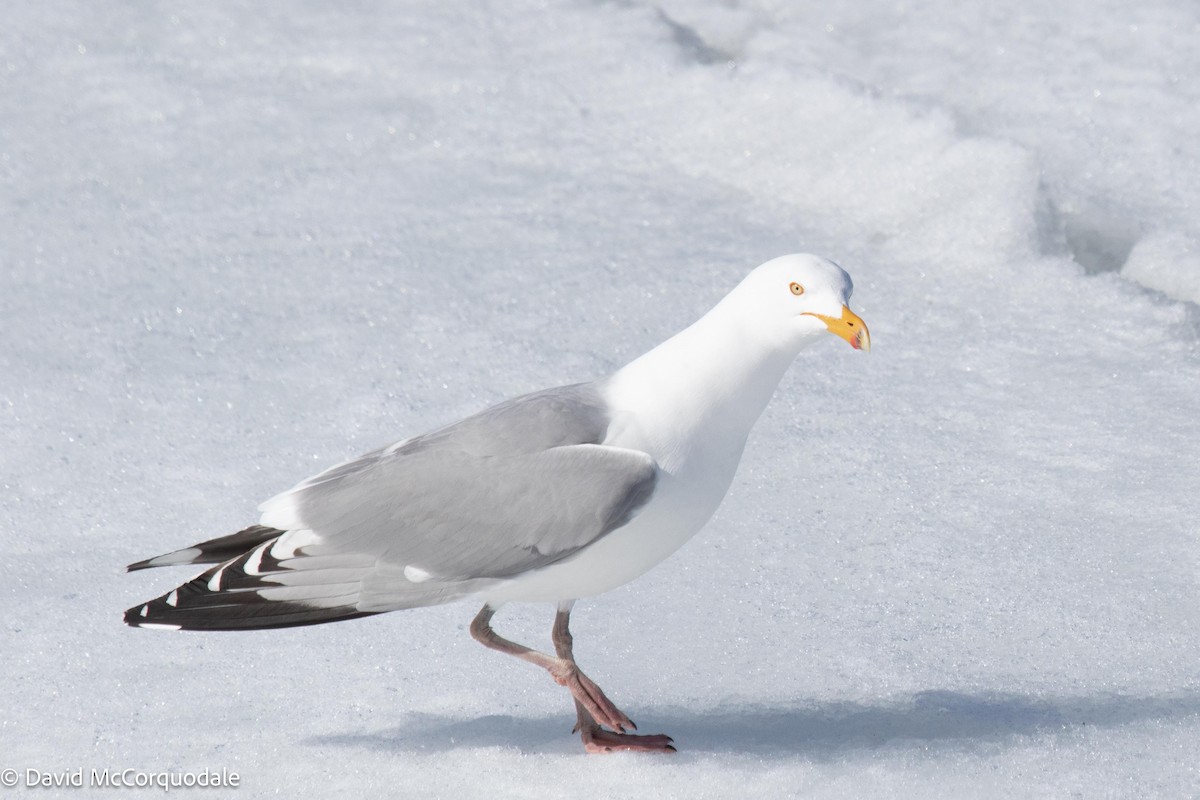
(241, 241)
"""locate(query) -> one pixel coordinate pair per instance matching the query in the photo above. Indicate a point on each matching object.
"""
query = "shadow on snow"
(940, 719)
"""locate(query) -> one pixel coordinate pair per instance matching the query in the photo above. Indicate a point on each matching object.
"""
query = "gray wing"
(513, 488)
(427, 520)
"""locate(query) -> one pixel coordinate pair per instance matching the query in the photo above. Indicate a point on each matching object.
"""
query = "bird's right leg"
(587, 694)
(595, 738)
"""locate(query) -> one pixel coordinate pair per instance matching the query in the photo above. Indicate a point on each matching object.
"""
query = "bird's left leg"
(564, 671)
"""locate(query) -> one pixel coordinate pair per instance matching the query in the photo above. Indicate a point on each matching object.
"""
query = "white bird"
(549, 497)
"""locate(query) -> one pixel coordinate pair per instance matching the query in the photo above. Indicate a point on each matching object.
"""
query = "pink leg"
(593, 707)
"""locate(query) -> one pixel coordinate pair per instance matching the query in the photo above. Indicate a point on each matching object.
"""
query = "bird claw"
(597, 712)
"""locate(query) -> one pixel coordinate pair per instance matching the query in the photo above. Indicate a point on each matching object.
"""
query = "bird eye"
(797, 289)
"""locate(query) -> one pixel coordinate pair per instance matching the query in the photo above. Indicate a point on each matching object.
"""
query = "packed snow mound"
(1168, 262)
(1101, 100)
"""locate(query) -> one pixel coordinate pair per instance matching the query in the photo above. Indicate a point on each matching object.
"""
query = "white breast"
(689, 403)
(695, 472)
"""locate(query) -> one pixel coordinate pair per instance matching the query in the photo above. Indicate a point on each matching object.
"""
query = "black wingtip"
(213, 551)
(140, 617)
(228, 598)
(192, 607)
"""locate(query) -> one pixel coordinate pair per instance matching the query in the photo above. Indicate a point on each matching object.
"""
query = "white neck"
(714, 377)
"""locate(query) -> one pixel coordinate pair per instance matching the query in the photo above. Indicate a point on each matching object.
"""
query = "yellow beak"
(850, 327)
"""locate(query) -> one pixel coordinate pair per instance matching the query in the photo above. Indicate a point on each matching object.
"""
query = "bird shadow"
(927, 719)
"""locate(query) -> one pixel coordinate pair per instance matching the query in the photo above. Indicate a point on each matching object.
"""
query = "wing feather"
(517, 487)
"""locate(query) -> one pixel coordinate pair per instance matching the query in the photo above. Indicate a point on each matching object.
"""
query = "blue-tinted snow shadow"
(926, 719)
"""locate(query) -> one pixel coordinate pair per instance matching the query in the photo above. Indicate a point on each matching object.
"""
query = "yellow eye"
(797, 289)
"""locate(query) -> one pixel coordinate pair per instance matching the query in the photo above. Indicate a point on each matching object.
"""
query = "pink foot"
(598, 740)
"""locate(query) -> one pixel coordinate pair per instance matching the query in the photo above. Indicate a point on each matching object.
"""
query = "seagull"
(549, 497)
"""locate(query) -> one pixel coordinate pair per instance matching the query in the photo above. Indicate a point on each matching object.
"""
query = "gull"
(549, 497)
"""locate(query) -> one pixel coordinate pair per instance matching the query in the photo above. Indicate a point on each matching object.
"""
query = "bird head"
(797, 297)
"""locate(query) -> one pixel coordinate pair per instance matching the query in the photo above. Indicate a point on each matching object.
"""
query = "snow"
(242, 242)
(1169, 262)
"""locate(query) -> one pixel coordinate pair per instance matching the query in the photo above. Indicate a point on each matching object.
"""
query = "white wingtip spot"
(185, 556)
(255, 561)
(416, 574)
(214, 583)
(145, 612)
(172, 600)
